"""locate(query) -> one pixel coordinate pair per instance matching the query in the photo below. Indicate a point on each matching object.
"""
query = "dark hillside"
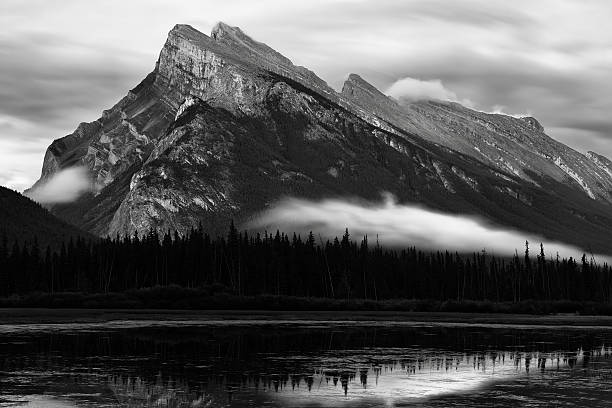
(22, 219)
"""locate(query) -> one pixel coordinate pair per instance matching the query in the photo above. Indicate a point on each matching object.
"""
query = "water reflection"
(304, 365)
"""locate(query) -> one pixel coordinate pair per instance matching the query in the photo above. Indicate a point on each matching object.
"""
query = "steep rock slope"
(225, 126)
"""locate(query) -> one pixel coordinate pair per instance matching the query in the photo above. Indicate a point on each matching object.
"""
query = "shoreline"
(14, 316)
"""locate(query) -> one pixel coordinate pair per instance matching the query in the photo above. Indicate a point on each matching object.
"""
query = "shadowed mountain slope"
(21, 219)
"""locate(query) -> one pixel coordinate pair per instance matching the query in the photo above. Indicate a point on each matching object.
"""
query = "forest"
(246, 265)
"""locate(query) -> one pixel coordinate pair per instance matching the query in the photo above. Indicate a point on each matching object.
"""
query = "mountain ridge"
(280, 127)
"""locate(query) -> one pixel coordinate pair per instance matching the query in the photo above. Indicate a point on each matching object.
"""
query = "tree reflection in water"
(290, 365)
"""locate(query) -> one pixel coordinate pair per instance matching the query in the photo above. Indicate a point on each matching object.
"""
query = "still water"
(302, 364)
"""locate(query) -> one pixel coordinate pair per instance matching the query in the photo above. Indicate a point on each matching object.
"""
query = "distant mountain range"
(224, 126)
(23, 220)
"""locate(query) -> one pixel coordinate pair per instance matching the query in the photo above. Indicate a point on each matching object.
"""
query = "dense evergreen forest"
(290, 265)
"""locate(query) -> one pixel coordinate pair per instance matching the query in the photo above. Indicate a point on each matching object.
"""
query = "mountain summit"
(224, 126)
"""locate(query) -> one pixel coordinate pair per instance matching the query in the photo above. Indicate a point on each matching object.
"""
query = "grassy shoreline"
(44, 316)
(185, 301)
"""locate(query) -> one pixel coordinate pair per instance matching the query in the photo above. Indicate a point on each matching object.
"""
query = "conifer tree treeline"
(284, 265)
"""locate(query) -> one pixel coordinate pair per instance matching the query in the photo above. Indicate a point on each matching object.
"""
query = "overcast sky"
(63, 62)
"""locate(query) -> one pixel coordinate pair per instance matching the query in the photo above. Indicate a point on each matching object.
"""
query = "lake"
(302, 363)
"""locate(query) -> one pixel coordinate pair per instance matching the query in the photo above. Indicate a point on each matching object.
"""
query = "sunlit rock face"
(225, 126)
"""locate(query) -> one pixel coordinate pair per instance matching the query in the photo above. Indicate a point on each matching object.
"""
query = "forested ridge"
(243, 264)
(22, 219)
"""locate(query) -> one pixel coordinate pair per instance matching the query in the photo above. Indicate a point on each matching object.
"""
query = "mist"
(402, 225)
(411, 89)
(63, 187)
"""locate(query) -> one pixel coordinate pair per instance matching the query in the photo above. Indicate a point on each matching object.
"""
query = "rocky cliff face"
(224, 126)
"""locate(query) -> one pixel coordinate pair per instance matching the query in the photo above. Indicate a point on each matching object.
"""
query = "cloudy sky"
(63, 62)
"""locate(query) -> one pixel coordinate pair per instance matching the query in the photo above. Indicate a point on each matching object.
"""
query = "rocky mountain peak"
(188, 32)
(367, 96)
(225, 125)
(236, 40)
(227, 49)
(222, 29)
(355, 84)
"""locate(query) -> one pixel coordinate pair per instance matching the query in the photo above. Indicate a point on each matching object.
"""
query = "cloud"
(19, 157)
(411, 89)
(43, 78)
(48, 85)
(403, 226)
(548, 57)
(63, 187)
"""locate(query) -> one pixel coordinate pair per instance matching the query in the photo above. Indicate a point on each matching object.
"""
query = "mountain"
(516, 145)
(21, 219)
(224, 126)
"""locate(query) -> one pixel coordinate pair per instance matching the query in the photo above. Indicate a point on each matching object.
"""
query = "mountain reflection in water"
(304, 365)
